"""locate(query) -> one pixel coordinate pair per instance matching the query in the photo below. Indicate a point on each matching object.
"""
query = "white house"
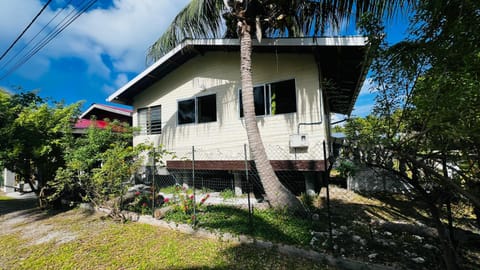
(191, 97)
(8, 184)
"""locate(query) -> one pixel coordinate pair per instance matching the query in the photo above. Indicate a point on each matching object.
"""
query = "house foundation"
(237, 180)
(311, 182)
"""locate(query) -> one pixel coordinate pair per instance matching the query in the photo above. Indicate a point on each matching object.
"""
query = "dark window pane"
(283, 97)
(207, 109)
(186, 111)
(155, 120)
(259, 100)
(241, 102)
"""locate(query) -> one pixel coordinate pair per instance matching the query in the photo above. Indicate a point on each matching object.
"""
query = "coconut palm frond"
(199, 19)
(316, 16)
(278, 18)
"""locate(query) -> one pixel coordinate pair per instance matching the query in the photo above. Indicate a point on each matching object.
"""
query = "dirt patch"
(33, 226)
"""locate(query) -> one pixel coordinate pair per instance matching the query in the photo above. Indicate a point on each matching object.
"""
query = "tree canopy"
(33, 135)
(426, 120)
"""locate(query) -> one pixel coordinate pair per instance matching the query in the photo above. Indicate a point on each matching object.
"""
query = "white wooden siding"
(219, 73)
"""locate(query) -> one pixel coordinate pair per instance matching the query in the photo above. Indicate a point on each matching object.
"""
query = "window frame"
(196, 118)
(147, 128)
(267, 90)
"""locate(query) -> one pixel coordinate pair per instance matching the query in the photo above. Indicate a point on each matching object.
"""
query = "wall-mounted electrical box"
(298, 140)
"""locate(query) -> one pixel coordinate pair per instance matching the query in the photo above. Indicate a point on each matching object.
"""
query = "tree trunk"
(449, 254)
(278, 195)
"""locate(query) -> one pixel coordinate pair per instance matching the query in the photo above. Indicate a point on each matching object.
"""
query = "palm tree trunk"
(278, 195)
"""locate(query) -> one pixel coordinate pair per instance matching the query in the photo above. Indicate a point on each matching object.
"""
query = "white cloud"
(123, 32)
(363, 110)
(15, 16)
(369, 87)
(336, 117)
(126, 30)
(121, 80)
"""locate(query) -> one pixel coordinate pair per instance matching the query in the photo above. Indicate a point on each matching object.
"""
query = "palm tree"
(274, 18)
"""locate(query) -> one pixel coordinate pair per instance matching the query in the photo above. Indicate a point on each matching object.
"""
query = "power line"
(51, 35)
(25, 30)
(36, 35)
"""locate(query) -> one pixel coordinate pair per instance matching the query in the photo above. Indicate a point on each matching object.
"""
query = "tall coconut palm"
(272, 18)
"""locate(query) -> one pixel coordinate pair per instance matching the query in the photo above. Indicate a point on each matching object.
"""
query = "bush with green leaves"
(227, 194)
(346, 168)
(119, 163)
(142, 203)
(98, 165)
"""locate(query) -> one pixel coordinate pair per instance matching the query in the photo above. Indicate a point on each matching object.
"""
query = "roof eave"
(105, 108)
(116, 97)
(365, 67)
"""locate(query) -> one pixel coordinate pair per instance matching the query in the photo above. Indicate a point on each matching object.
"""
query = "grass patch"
(354, 235)
(270, 225)
(227, 194)
(103, 244)
(169, 190)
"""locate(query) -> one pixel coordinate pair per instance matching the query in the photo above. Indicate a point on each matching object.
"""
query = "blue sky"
(100, 51)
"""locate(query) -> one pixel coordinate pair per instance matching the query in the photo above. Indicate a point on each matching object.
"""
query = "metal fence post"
(327, 180)
(194, 217)
(153, 183)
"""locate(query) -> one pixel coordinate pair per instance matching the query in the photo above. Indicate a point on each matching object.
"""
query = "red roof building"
(103, 114)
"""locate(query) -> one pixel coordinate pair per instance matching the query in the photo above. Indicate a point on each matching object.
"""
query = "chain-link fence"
(233, 176)
(371, 226)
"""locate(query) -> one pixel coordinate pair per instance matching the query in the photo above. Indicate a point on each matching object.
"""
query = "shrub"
(185, 204)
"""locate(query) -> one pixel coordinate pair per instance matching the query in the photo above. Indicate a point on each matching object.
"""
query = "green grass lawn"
(83, 240)
(355, 236)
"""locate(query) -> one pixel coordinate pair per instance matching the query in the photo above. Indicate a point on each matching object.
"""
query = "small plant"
(185, 204)
(346, 168)
(307, 201)
(143, 203)
(169, 190)
(227, 194)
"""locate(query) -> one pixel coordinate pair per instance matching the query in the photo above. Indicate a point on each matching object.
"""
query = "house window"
(273, 98)
(201, 109)
(150, 120)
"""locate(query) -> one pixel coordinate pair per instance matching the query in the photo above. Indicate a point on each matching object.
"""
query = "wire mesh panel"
(224, 182)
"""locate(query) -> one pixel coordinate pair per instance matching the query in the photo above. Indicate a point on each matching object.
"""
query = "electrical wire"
(69, 19)
(36, 35)
(25, 30)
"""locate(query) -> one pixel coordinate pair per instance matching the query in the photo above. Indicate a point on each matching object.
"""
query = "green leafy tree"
(84, 157)
(119, 163)
(33, 135)
(262, 18)
(425, 126)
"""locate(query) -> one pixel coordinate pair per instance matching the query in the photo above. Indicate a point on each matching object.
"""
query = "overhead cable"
(69, 19)
(25, 30)
(36, 35)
